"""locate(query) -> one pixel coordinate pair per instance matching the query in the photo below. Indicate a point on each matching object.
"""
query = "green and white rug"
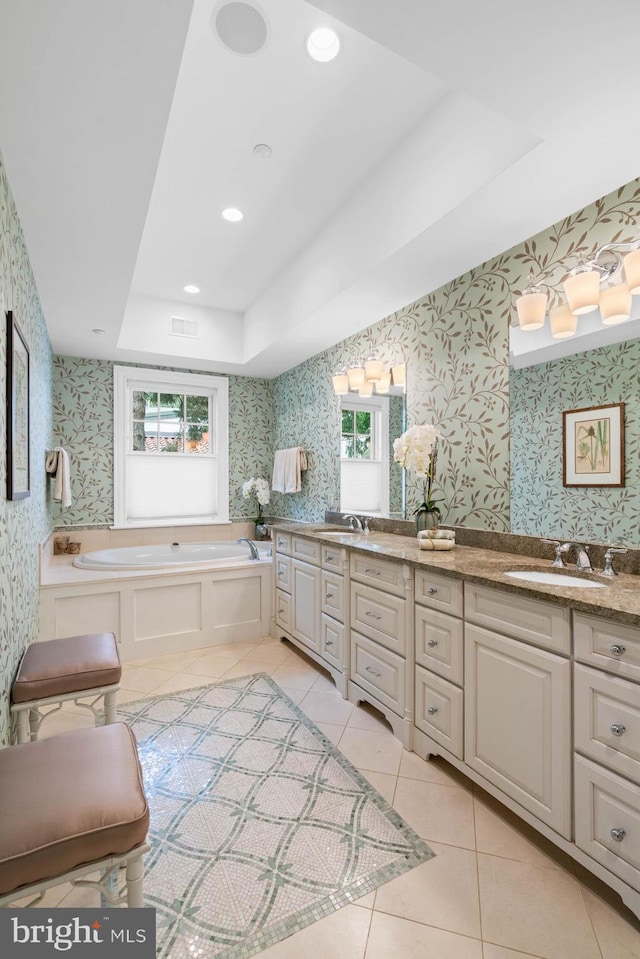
(259, 825)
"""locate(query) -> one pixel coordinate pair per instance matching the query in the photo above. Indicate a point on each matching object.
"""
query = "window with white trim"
(364, 454)
(171, 447)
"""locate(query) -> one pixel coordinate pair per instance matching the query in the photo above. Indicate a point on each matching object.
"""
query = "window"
(364, 455)
(170, 448)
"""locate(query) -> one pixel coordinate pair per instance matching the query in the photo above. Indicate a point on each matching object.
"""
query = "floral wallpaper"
(540, 505)
(83, 418)
(24, 523)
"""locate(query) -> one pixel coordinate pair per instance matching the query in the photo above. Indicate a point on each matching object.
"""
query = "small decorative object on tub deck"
(417, 450)
(61, 545)
(259, 488)
(74, 547)
(438, 539)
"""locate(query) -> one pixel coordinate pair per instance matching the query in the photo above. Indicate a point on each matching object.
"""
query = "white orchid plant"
(260, 489)
(417, 450)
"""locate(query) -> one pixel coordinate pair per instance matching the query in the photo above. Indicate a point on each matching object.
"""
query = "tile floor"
(496, 890)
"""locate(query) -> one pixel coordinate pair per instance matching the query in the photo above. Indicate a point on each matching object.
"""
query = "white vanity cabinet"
(439, 671)
(382, 640)
(310, 601)
(607, 744)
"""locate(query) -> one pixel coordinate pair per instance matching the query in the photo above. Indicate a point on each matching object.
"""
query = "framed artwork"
(17, 411)
(593, 446)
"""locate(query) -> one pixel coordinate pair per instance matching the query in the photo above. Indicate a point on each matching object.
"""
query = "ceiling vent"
(240, 27)
(178, 326)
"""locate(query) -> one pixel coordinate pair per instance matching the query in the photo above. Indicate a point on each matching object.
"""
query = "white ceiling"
(441, 135)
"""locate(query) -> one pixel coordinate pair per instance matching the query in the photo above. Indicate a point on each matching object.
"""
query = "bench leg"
(135, 873)
(23, 726)
(110, 708)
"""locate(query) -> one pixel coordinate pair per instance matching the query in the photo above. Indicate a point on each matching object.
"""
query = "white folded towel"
(57, 464)
(436, 534)
(439, 544)
(287, 470)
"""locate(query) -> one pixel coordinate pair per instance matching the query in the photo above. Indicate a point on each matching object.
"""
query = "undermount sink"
(339, 532)
(554, 579)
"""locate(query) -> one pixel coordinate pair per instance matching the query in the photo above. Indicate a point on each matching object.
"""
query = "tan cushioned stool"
(57, 670)
(93, 807)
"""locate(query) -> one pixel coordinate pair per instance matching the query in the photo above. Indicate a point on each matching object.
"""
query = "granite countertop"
(618, 600)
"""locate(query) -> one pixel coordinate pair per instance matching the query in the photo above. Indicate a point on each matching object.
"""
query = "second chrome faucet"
(583, 560)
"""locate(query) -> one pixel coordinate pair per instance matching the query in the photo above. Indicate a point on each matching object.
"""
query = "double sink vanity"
(524, 678)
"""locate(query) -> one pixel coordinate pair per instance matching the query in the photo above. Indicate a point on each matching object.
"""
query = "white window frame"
(126, 379)
(379, 406)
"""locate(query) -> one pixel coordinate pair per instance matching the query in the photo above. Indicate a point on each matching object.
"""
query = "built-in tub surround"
(156, 609)
(24, 523)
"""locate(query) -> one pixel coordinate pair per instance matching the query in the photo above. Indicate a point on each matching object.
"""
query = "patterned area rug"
(259, 825)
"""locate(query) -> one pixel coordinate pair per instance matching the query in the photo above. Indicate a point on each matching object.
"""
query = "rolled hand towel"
(436, 534)
(439, 544)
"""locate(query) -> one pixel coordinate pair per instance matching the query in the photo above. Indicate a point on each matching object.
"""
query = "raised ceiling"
(440, 136)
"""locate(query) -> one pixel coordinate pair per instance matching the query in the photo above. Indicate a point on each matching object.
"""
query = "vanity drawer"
(283, 609)
(439, 710)
(606, 803)
(334, 557)
(607, 644)
(607, 724)
(379, 573)
(332, 595)
(282, 569)
(537, 622)
(282, 542)
(439, 592)
(439, 643)
(332, 641)
(379, 672)
(379, 616)
(308, 550)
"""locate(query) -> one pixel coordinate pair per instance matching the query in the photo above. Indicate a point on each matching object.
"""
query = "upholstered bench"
(62, 670)
(69, 806)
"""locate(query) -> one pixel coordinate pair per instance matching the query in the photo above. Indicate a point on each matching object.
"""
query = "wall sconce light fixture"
(582, 288)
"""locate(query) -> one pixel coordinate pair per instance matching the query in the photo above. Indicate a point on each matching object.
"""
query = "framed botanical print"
(17, 411)
(593, 446)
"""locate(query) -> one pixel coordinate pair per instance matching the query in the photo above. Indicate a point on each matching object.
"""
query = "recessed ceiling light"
(190, 288)
(98, 332)
(232, 214)
(323, 44)
(262, 151)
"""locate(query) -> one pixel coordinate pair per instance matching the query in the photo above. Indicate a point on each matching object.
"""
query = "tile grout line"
(591, 922)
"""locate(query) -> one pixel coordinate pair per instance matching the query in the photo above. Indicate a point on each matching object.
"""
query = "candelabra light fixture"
(367, 376)
(587, 287)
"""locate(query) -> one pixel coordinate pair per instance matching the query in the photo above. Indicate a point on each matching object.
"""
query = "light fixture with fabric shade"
(399, 374)
(341, 384)
(373, 369)
(370, 374)
(384, 383)
(531, 306)
(563, 322)
(356, 377)
(615, 304)
(632, 271)
(366, 389)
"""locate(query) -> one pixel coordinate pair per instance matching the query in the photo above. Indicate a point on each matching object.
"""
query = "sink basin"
(339, 532)
(554, 579)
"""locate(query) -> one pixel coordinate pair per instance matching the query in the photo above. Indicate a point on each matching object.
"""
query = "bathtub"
(170, 555)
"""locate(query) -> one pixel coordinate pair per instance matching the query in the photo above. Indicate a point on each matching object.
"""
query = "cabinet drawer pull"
(329, 642)
(330, 595)
(330, 557)
(372, 572)
(281, 542)
(280, 612)
(618, 833)
(618, 729)
(432, 643)
(280, 572)
(372, 615)
(370, 669)
(432, 591)
(432, 710)
(617, 649)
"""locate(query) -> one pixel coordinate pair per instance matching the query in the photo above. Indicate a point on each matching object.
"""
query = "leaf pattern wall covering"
(83, 417)
(540, 505)
(24, 523)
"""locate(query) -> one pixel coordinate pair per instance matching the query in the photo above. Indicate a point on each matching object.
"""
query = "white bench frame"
(130, 894)
(28, 717)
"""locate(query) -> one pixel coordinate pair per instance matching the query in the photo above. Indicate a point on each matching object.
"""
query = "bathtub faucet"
(252, 546)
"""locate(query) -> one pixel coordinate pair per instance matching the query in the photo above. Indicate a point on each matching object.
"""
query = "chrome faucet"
(354, 522)
(252, 546)
(608, 569)
(583, 561)
(560, 550)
